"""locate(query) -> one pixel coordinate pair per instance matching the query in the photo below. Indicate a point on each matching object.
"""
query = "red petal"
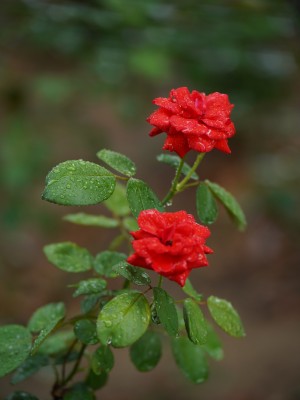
(151, 221)
(176, 217)
(218, 106)
(208, 250)
(167, 265)
(138, 261)
(160, 119)
(200, 101)
(223, 146)
(168, 104)
(200, 143)
(155, 131)
(149, 247)
(187, 126)
(180, 278)
(177, 143)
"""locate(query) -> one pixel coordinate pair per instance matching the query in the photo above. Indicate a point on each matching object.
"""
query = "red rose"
(171, 244)
(193, 121)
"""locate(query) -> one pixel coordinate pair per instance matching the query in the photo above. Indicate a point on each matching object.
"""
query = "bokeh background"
(80, 75)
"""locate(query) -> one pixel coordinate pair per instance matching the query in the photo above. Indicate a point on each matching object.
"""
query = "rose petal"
(177, 143)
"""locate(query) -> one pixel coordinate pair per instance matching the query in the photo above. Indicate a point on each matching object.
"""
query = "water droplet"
(68, 186)
(107, 323)
(169, 203)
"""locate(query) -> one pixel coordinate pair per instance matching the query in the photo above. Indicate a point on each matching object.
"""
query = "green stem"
(126, 284)
(122, 178)
(160, 281)
(173, 189)
(75, 368)
(63, 374)
(192, 170)
(194, 183)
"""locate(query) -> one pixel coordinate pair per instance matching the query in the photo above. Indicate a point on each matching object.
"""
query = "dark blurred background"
(77, 76)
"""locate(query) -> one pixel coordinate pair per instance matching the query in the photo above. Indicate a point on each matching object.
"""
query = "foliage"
(139, 313)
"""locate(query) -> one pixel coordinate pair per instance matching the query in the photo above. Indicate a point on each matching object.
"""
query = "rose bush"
(135, 312)
(170, 243)
(193, 121)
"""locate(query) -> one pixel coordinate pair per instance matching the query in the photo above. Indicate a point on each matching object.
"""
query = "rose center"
(169, 243)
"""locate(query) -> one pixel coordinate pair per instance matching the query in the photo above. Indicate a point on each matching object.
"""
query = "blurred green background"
(77, 76)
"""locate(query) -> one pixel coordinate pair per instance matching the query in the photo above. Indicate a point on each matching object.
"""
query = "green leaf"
(181, 323)
(191, 359)
(225, 316)
(44, 320)
(80, 391)
(20, 395)
(15, 345)
(174, 161)
(141, 197)
(29, 367)
(230, 203)
(117, 241)
(194, 322)
(89, 302)
(146, 352)
(96, 382)
(85, 331)
(124, 319)
(166, 310)
(133, 274)
(102, 360)
(45, 316)
(117, 203)
(78, 183)
(91, 220)
(106, 260)
(213, 345)
(189, 290)
(154, 317)
(90, 286)
(206, 205)
(130, 224)
(117, 161)
(57, 343)
(68, 256)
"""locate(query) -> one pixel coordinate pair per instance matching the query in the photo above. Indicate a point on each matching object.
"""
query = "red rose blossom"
(193, 121)
(170, 243)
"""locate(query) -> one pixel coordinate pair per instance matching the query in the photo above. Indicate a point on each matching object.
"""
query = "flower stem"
(76, 365)
(181, 184)
(160, 281)
(173, 189)
(63, 374)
